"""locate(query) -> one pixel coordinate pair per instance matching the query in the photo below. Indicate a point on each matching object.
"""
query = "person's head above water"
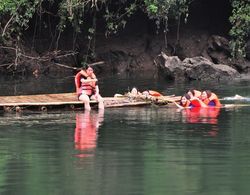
(185, 98)
(206, 94)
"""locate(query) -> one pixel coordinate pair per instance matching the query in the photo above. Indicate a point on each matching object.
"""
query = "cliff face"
(133, 48)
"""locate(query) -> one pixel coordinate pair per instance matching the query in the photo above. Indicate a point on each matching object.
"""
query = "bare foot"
(101, 106)
(87, 107)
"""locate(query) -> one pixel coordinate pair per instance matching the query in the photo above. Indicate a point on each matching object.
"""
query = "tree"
(240, 30)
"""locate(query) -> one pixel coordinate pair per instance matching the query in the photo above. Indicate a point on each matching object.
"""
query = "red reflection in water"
(86, 131)
(203, 115)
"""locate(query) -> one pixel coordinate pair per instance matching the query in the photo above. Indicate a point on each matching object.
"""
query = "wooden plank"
(128, 104)
(62, 99)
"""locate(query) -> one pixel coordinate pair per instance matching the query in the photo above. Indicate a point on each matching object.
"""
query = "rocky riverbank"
(198, 55)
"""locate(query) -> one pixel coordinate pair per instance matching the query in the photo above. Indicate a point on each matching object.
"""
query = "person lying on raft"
(188, 102)
(147, 94)
(210, 99)
(87, 88)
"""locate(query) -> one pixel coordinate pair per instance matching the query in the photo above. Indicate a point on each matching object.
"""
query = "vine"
(240, 30)
(114, 14)
(161, 10)
(16, 16)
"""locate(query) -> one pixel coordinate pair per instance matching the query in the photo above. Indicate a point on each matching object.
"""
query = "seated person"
(87, 88)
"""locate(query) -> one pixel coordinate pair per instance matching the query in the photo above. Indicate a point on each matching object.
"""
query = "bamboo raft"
(69, 101)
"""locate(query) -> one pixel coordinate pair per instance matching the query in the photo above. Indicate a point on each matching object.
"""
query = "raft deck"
(69, 100)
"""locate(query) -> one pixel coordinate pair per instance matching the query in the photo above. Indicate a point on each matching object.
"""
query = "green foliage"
(240, 30)
(163, 9)
(117, 18)
(16, 16)
(72, 13)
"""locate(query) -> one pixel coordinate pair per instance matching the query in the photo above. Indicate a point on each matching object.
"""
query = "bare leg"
(85, 99)
(100, 101)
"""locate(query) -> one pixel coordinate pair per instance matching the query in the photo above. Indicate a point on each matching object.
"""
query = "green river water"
(141, 151)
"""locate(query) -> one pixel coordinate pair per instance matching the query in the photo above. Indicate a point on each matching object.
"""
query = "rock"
(122, 61)
(242, 66)
(218, 43)
(197, 68)
(211, 72)
(170, 66)
(200, 68)
(119, 61)
(196, 61)
(218, 50)
(171, 62)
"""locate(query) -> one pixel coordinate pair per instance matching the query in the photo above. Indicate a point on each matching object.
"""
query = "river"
(143, 151)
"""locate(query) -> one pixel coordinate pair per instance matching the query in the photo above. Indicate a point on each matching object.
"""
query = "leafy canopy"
(16, 16)
(240, 30)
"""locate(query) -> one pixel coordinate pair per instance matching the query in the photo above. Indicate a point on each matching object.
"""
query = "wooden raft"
(69, 100)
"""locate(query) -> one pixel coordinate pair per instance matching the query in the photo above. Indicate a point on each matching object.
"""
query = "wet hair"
(85, 67)
(181, 100)
(208, 92)
(187, 96)
(192, 90)
(89, 67)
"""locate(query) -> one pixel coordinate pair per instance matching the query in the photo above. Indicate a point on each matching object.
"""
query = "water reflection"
(204, 116)
(201, 115)
(86, 131)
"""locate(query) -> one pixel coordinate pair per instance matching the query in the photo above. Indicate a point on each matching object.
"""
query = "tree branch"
(7, 24)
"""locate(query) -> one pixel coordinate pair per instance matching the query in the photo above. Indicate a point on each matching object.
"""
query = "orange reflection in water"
(203, 115)
(86, 131)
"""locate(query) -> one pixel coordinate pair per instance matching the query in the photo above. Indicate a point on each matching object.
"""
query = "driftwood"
(74, 68)
(20, 58)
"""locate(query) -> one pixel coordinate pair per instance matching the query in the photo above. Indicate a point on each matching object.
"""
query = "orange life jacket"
(195, 103)
(213, 100)
(152, 93)
(89, 88)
